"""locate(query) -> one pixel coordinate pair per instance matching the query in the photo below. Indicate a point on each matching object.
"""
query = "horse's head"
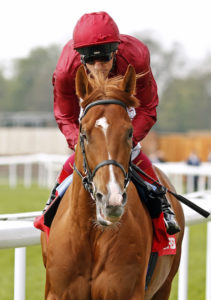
(106, 140)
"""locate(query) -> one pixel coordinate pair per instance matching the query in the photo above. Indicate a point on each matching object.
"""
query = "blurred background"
(177, 34)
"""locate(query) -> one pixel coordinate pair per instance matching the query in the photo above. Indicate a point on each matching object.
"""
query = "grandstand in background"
(27, 119)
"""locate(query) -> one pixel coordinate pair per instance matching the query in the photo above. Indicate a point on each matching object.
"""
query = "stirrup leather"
(52, 196)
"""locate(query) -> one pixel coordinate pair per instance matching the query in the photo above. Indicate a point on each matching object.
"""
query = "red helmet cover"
(95, 29)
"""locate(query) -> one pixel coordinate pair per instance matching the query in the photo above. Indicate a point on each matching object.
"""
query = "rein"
(181, 198)
(87, 180)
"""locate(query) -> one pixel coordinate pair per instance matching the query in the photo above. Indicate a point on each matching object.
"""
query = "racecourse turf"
(33, 199)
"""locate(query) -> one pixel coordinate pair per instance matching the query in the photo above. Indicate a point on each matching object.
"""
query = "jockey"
(98, 45)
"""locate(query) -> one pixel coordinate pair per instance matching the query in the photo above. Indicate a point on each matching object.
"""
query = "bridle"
(87, 180)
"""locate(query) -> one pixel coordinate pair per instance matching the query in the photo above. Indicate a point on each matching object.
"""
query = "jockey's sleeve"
(134, 52)
(144, 124)
(146, 114)
(66, 107)
(66, 103)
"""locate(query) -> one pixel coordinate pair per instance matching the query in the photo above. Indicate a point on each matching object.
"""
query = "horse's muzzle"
(113, 212)
(110, 210)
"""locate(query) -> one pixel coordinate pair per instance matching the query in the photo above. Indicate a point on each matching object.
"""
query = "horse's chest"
(99, 268)
(115, 270)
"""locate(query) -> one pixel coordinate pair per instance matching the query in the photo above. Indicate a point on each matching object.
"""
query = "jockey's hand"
(75, 147)
(135, 151)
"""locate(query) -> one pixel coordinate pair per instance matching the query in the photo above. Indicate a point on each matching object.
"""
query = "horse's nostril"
(114, 211)
(99, 196)
(124, 198)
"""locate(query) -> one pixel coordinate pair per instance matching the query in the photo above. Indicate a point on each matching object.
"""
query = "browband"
(102, 102)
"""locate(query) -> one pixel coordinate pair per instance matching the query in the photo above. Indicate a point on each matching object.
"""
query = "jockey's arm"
(66, 107)
(146, 114)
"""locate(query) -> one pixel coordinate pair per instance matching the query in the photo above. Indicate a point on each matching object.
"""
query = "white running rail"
(47, 167)
(17, 231)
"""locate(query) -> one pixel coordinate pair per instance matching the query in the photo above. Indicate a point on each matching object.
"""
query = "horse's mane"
(108, 88)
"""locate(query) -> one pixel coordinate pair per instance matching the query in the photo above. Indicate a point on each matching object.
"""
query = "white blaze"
(114, 189)
(102, 122)
(113, 186)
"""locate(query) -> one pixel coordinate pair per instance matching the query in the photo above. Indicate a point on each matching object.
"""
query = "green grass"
(33, 199)
(22, 200)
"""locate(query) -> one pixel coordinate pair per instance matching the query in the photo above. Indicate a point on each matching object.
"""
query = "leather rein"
(87, 180)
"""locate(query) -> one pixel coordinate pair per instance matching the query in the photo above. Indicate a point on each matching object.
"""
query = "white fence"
(188, 178)
(47, 166)
(17, 231)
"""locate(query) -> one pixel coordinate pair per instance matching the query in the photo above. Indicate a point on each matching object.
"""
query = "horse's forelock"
(108, 88)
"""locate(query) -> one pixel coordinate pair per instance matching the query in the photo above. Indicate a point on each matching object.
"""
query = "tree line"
(184, 92)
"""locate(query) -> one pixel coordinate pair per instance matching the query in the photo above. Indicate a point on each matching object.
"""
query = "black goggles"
(102, 58)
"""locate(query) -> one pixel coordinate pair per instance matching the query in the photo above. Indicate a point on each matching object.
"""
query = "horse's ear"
(82, 84)
(129, 81)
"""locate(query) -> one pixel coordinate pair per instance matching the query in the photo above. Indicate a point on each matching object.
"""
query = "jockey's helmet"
(96, 36)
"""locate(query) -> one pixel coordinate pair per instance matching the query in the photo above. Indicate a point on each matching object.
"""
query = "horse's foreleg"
(164, 291)
(44, 247)
(139, 292)
(139, 295)
(48, 293)
(50, 296)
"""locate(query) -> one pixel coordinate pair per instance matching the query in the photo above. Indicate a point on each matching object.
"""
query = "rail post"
(12, 175)
(208, 265)
(183, 269)
(20, 273)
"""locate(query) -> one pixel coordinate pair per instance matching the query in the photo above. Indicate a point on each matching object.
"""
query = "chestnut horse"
(101, 237)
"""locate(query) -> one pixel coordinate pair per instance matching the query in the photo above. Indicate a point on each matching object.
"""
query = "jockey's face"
(101, 66)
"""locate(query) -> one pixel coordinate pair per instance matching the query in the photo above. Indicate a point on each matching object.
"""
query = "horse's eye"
(130, 133)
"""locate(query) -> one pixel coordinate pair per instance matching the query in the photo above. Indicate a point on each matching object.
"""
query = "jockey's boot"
(172, 226)
(51, 197)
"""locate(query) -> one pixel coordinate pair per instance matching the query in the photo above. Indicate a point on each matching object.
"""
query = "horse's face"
(106, 134)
